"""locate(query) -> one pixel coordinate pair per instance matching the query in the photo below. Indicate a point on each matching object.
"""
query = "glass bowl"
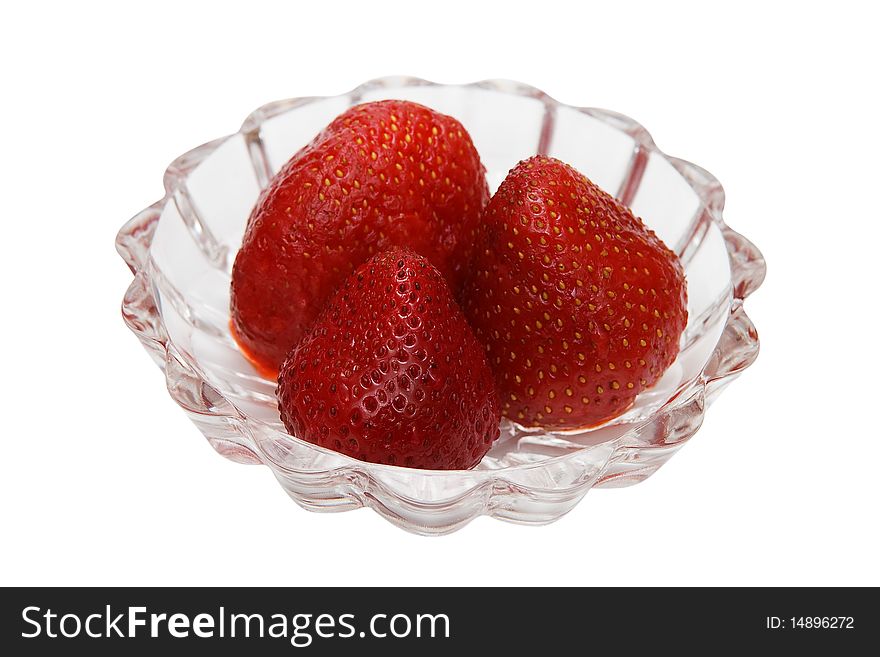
(181, 250)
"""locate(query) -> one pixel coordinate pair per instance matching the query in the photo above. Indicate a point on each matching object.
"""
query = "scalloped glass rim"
(555, 470)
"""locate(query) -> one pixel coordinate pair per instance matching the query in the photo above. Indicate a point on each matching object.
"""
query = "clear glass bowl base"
(181, 250)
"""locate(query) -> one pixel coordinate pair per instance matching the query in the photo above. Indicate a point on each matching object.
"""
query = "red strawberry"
(392, 373)
(390, 173)
(579, 305)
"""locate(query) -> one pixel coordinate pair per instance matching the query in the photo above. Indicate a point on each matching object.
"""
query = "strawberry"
(392, 373)
(579, 305)
(381, 174)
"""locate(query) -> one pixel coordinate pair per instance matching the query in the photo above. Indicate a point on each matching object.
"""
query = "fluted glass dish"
(181, 251)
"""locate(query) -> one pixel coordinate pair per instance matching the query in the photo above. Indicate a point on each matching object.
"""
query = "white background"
(104, 481)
